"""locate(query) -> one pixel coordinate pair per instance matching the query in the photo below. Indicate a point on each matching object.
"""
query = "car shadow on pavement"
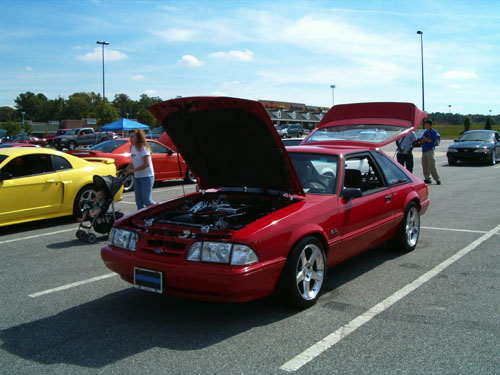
(36, 225)
(125, 323)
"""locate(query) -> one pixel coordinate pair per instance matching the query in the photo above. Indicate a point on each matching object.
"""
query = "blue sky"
(276, 50)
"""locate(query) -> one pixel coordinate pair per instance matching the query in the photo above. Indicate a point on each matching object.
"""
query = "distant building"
(293, 113)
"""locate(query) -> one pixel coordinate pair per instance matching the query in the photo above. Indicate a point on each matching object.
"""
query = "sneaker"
(438, 182)
(427, 181)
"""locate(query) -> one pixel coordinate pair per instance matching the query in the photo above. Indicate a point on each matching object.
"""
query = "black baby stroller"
(104, 220)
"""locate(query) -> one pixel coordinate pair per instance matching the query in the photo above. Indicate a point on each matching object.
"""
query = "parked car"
(155, 133)
(292, 141)
(50, 137)
(420, 133)
(76, 137)
(272, 220)
(42, 183)
(24, 138)
(15, 144)
(482, 145)
(290, 130)
(166, 163)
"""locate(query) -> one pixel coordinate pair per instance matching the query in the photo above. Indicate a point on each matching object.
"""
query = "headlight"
(221, 252)
(125, 239)
(482, 149)
(452, 150)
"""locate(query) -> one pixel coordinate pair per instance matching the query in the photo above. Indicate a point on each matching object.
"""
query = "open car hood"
(366, 124)
(228, 142)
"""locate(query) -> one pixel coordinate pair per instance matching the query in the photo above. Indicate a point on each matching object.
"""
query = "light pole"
(333, 94)
(103, 44)
(421, 33)
(22, 113)
(127, 114)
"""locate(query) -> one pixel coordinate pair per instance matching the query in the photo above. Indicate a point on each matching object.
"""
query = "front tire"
(303, 274)
(406, 237)
(71, 145)
(87, 193)
(493, 159)
(189, 177)
(452, 161)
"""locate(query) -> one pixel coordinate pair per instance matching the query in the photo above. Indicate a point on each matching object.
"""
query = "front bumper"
(469, 155)
(201, 281)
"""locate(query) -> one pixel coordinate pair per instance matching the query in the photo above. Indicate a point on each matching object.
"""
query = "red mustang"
(269, 219)
(167, 164)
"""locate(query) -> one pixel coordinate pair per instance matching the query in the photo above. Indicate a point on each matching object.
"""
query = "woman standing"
(142, 168)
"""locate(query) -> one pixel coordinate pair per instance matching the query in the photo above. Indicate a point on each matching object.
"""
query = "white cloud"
(96, 55)
(190, 60)
(29, 69)
(457, 74)
(218, 93)
(177, 35)
(138, 77)
(455, 87)
(150, 92)
(245, 55)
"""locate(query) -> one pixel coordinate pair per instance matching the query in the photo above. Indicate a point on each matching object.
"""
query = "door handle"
(387, 198)
(51, 180)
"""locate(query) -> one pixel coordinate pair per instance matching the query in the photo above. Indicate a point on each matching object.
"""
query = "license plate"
(148, 280)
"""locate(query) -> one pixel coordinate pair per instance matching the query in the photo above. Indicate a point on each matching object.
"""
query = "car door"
(364, 220)
(35, 188)
(165, 162)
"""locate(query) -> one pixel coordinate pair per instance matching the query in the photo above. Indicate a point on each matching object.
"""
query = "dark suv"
(291, 130)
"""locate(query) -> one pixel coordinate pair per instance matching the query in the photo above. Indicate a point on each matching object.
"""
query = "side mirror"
(170, 152)
(455, 140)
(351, 193)
(5, 176)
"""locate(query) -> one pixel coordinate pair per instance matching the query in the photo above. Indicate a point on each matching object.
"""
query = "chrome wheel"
(310, 271)
(128, 183)
(412, 227)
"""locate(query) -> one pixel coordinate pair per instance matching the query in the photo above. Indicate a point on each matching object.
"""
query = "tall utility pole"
(103, 90)
(421, 33)
(333, 94)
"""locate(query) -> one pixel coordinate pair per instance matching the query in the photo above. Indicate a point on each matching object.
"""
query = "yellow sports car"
(41, 183)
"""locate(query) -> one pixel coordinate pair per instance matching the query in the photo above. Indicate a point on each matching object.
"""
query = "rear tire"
(406, 237)
(303, 274)
(81, 235)
(452, 161)
(71, 145)
(128, 181)
(87, 193)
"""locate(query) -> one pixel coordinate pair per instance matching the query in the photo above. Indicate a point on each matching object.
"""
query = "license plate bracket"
(149, 280)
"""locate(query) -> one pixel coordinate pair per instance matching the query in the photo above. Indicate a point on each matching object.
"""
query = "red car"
(29, 139)
(269, 219)
(167, 164)
(14, 144)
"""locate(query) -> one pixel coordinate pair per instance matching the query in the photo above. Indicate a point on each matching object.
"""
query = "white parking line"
(315, 350)
(72, 285)
(38, 235)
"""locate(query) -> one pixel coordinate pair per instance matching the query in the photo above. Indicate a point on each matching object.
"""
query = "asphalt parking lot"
(432, 311)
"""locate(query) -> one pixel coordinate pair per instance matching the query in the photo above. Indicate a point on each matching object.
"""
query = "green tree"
(34, 106)
(12, 128)
(105, 113)
(487, 126)
(77, 107)
(7, 114)
(124, 105)
(55, 109)
(145, 117)
(466, 124)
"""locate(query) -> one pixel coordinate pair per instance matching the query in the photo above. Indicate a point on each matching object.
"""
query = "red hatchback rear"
(167, 163)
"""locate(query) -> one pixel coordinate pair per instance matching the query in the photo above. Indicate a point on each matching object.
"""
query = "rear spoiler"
(96, 159)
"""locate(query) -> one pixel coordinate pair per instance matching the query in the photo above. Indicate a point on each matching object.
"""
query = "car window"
(317, 172)
(60, 163)
(2, 158)
(157, 148)
(394, 175)
(28, 165)
(365, 174)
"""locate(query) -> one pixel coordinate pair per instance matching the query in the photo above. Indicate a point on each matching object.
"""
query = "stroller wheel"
(91, 238)
(81, 235)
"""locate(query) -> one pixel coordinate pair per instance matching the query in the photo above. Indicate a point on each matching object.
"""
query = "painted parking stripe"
(72, 285)
(315, 350)
(38, 235)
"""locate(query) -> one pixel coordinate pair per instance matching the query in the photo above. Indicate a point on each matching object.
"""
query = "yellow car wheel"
(87, 193)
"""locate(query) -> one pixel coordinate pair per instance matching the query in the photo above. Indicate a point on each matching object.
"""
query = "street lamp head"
(103, 43)
(332, 86)
(420, 32)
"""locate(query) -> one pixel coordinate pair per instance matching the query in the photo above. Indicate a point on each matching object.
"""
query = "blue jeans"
(143, 187)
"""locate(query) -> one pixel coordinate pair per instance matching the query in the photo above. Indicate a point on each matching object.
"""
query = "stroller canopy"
(109, 184)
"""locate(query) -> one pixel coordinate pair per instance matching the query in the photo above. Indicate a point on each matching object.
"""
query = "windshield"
(476, 136)
(317, 173)
(355, 132)
(108, 146)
